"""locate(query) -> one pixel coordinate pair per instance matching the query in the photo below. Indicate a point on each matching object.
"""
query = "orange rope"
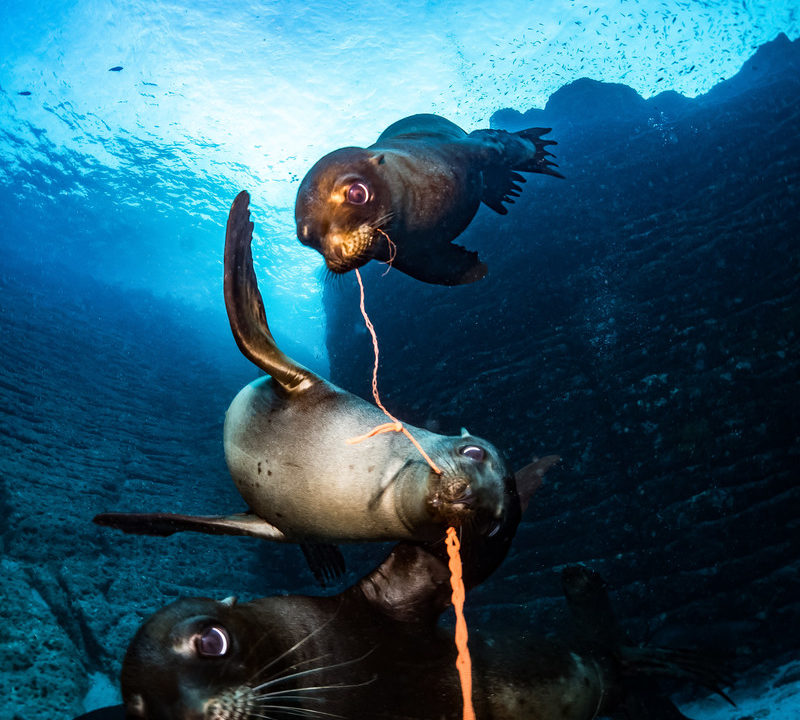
(463, 661)
(395, 425)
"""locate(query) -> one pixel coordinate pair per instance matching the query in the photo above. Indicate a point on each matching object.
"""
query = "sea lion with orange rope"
(286, 444)
(406, 198)
(375, 651)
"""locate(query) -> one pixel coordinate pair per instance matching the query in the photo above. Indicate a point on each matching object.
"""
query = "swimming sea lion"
(374, 651)
(405, 199)
(286, 446)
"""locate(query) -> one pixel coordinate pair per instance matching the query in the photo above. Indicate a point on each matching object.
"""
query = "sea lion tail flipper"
(529, 478)
(682, 664)
(444, 264)
(165, 524)
(325, 561)
(246, 308)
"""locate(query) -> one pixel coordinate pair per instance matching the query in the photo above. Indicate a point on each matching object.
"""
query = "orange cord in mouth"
(392, 252)
(463, 660)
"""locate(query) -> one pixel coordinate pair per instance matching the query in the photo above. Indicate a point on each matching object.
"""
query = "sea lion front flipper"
(112, 712)
(500, 185)
(325, 561)
(246, 308)
(411, 585)
(529, 478)
(444, 263)
(164, 524)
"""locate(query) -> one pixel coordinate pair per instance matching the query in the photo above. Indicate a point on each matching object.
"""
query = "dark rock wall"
(641, 319)
(107, 402)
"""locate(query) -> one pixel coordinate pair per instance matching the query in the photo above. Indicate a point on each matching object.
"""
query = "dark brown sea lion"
(374, 652)
(405, 199)
(286, 446)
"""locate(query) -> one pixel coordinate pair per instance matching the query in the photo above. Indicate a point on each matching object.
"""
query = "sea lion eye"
(357, 194)
(473, 451)
(212, 642)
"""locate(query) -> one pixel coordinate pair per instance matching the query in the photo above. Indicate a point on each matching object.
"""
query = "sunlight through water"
(128, 127)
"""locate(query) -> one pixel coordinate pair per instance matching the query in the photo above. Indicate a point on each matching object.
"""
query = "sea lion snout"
(472, 484)
(341, 208)
(347, 249)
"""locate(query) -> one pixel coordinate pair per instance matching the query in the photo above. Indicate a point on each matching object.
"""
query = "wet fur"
(374, 652)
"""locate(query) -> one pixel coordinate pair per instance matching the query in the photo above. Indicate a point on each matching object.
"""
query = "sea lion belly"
(291, 463)
(289, 458)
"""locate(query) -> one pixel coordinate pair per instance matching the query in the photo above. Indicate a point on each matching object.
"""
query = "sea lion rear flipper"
(597, 626)
(505, 155)
(444, 263)
(164, 524)
(246, 308)
(325, 560)
(500, 185)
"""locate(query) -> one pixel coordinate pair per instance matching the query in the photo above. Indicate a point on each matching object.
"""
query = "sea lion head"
(342, 206)
(475, 486)
(183, 661)
(199, 659)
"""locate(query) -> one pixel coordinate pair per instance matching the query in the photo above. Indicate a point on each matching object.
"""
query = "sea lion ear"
(377, 159)
(229, 601)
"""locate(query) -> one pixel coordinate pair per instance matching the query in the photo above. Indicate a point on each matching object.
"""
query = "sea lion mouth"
(346, 251)
(455, 500)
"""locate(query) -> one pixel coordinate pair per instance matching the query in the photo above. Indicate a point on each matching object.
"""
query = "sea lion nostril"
(456, 489)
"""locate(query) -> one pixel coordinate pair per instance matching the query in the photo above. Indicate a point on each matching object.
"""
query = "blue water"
(126, 129)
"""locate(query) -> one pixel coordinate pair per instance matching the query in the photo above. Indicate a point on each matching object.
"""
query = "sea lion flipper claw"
(164, 524)
(325, 561)
(246, 308)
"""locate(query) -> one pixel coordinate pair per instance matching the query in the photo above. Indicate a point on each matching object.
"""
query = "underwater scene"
(400, 361)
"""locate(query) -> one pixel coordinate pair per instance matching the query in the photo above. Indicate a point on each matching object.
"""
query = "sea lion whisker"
(311, 671)
(286, 674)
(378, 224)
(300, 642)
(305, 712)
(283, 673)
(275, 696)
(315, 688)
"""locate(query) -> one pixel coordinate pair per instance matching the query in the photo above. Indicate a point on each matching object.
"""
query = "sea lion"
(285, 439)
(405, 199)
(374, 651)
